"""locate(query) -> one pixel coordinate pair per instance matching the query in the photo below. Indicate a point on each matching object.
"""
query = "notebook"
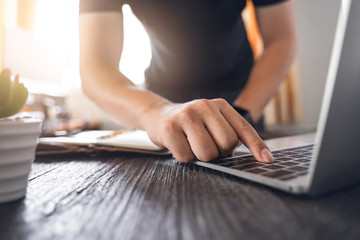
(332, 160)
(123, 140)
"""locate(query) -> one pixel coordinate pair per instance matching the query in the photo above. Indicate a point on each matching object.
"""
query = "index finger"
(247, 135)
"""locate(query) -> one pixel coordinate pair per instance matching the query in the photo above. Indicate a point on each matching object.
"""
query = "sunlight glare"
(136, 54)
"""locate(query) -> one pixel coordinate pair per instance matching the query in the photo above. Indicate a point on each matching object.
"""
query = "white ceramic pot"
(18, 140)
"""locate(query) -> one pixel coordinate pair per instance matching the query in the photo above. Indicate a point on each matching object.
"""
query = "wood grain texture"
(138, 197)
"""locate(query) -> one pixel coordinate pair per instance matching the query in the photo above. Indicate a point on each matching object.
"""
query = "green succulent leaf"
(13, 95)
(5, 84)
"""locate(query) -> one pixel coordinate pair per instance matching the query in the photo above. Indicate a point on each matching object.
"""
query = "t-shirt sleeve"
(100, 5)
(260, 3)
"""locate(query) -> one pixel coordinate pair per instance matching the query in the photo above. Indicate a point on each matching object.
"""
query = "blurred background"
(39, 41)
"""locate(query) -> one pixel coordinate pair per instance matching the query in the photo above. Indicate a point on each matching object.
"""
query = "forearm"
(266, 76)
(114, 93)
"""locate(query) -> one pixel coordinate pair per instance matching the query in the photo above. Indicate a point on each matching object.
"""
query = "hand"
(202, 129)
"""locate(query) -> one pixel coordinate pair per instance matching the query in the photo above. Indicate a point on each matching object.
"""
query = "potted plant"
(18, 139)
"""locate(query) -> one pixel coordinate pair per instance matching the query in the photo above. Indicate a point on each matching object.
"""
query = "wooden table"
(131, 196)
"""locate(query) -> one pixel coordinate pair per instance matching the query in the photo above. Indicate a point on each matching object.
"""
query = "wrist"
(150, 111)
(245, 114)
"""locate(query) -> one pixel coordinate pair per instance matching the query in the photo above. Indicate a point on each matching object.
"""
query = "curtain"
(25, 13)
(24, 18)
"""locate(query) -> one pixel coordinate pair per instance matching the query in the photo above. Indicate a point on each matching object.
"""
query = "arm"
(277, 28)
(204, 129)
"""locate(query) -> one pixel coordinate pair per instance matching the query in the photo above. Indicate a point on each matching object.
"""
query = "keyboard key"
(257, 170)
(278, 155)
(234, 162)
(247, 166)
(278, 173)
(297, 156)
(283, 159)
(293, 154)
(229, 159)
(289, 164)
(302, 160)
(298, 169)
(272, 167)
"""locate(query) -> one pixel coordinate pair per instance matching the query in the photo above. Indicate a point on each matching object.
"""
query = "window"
(56, 24)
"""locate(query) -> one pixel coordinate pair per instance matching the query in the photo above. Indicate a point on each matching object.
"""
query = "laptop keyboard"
(288, 163)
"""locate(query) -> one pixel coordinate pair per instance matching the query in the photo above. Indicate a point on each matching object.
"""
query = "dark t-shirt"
(199, 47)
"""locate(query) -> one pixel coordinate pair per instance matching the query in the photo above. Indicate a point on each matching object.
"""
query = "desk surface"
(138, 197)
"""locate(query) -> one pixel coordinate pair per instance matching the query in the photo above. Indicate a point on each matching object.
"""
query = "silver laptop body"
(335, 160)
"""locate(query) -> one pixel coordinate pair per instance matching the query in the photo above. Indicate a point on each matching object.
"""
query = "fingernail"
(266, 155)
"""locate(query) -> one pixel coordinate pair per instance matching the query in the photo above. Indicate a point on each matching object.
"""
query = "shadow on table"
(12, 216)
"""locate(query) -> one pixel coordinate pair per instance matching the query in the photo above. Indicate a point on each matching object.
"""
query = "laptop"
(332, 159)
